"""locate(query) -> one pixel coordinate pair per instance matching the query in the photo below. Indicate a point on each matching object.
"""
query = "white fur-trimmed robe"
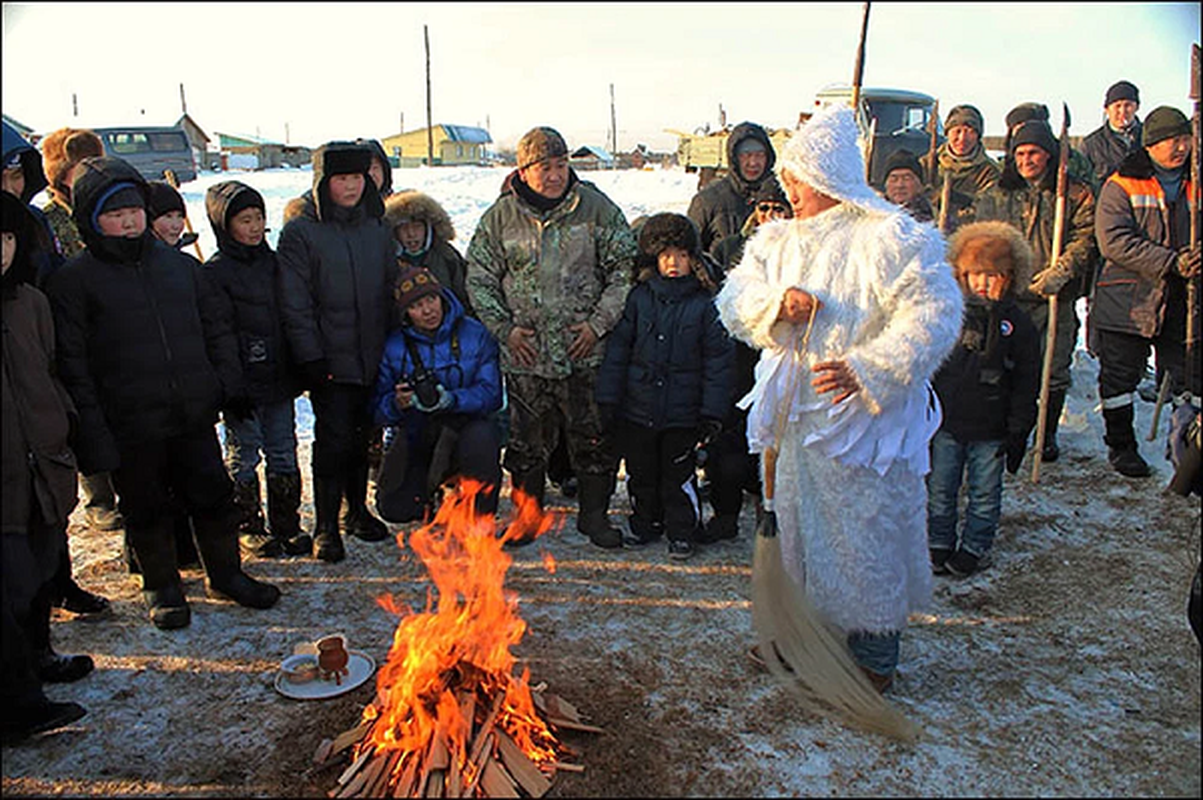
(850, 494)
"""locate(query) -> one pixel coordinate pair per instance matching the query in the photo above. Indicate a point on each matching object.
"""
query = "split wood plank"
(521, 768)
(404, 787)
(566, 767)
(483, 755)
(454, 784)
(379, 786)
(436, 784)
(356, 765)
(348, 738)
(322, 754)
(574, 726)
(559, 707)
(366, 776)
(486, 728)
(496, 782)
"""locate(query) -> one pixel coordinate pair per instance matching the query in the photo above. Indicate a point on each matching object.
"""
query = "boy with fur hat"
(424, 231)
(149, 357)
(335, 282)
(244, 270)
(987, 387)
(445, 420)
(665, 384)
(38, 419)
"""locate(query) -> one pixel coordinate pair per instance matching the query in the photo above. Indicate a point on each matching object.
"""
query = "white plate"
(360, 667)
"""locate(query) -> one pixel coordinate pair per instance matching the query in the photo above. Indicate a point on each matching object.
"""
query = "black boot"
(1056, 402)
(153, 548)
(327, 497)
(533, 483)
(283, 506)
(56, 668)
(22, 721)
(70, 596)
(252, 532)
(592, 519)
(358, 521)
(217, 540)
(1123, 452)
(720, 526)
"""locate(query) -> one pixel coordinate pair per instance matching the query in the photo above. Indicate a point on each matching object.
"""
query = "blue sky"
(340, 71)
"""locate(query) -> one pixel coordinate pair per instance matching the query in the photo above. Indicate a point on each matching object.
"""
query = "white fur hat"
(825, 154)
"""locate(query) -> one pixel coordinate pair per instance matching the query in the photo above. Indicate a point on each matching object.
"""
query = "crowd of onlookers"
(562, 328)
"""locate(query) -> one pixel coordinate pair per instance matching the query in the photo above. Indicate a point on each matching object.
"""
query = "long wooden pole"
(429, 119)
(1192, 285)
(934, 143)
(858, 72)
(1050, 339)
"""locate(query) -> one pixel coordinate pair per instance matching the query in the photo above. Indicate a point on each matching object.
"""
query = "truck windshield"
(893, 116)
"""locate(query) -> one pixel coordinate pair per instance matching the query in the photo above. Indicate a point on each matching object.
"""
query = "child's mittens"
(1015, 447)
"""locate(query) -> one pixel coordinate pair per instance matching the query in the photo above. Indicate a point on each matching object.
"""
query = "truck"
(152, 150)
(903, 120)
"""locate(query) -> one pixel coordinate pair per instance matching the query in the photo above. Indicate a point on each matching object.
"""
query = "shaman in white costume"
(850, 493)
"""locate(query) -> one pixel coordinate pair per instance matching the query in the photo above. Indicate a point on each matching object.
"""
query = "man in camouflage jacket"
(548, 272)
(1026, 197)
(963, 158)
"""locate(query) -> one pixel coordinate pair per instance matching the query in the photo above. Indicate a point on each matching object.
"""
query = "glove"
(239, 408)
(710, 429)
(1188, 262)
(315, 372)
(768, 525)
(605, 415)
(1014, 450)
(446, 400)
(1049, 282)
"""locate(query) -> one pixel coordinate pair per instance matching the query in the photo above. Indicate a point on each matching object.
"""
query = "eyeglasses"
(765, 208)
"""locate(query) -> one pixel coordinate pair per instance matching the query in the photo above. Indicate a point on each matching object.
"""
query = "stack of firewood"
(491, 763)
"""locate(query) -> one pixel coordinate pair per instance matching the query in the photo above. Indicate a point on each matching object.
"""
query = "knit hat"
(964, 115)
(1026, 111)
(247, 197)
(1164, 122)
(1122, 90)
(117, 196)
(539, 144)
(825, 155)
(63, 149)
(164, 198)
(1035, 132)
(414, 284)
(770, 191)
(989, 247)
(665, 230)
(903, 159)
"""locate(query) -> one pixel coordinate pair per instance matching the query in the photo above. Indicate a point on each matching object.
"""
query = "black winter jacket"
(336, 274)
(989, 383)
(144, 346)
(1107, 150)
(669, 361)
(721, 209)
(246, 277)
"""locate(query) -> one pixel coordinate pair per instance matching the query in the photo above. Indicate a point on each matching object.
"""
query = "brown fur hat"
(62, 150)
(414, 205)
(990, 247)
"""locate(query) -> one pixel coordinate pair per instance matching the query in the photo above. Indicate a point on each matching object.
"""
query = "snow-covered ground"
(1065, 670)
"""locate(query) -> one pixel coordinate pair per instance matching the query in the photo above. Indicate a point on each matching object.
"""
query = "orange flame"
(462, 642)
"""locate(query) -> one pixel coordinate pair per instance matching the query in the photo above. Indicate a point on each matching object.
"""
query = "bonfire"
(450, 718)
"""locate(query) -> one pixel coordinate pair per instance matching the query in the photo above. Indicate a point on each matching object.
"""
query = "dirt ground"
(1066, 669)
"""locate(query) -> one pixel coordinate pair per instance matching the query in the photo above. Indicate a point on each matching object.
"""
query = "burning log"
(450, 719)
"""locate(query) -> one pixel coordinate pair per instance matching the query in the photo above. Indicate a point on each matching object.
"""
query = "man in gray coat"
(1119, 136)
(721, 209)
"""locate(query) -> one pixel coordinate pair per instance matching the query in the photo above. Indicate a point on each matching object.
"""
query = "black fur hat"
(669, 230)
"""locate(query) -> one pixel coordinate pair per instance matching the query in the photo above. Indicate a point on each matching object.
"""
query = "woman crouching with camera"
(440, 386)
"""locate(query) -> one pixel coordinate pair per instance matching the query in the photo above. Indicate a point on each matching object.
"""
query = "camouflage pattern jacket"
(1031, 210)
(547, 271)
(66, 235)
(970, 176)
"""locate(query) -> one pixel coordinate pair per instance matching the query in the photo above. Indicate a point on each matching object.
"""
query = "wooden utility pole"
(74, 105)
(183, 101)
(429, 122)
(613, 124)
(287, 140)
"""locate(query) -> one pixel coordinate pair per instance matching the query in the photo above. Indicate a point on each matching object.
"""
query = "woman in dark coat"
(39, 490)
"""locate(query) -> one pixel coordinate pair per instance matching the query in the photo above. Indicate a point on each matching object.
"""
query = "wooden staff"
(169, 174)
(1050, 338)
(945, 201)
(1192, 285)
(932, 162)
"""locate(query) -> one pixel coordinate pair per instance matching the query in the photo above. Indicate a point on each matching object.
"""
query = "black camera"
(425, 386)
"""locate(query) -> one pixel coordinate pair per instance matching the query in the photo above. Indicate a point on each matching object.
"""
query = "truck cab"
(151, 150)
(902, 122)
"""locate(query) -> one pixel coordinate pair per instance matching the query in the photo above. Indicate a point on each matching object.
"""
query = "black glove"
(1014, 449)
(767, 527)
(605, 416)
(239, 408)
(709, 430)
(314, 373)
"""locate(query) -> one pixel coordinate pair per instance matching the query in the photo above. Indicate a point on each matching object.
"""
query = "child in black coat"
(666, 382)
(987, 389)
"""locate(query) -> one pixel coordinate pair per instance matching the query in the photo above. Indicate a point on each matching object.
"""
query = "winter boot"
(217, 540)
(1056, 402)
(358, 521)
(1123, 452)
(720, 526)
(592, 519)
(252, 533)
(283, 504)
(153, 548)
(327, 497)
(534, 484)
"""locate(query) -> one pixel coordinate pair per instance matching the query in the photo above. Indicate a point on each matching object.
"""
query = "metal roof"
(874, 92)
(466, 134)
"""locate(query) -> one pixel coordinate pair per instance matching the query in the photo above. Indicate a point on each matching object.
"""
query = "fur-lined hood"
(992, 246)
(414, 205)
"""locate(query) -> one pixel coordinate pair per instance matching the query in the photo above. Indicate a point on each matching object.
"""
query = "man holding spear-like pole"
(853, 308)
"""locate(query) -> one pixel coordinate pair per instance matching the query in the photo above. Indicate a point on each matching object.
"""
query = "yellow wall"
(413, 146)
